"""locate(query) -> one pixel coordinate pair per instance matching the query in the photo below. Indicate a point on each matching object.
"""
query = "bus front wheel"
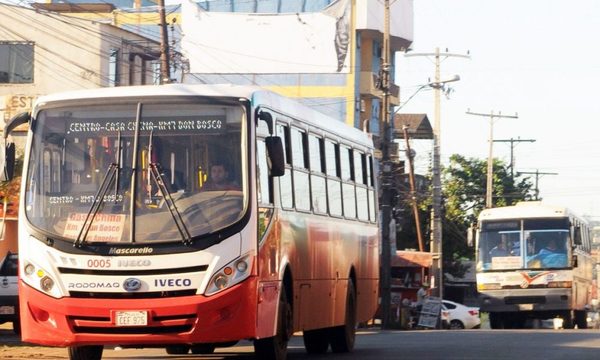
(496, 320)
(275, 348)
(87, 352)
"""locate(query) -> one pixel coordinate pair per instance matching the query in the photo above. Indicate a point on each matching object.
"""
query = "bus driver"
(219, 179)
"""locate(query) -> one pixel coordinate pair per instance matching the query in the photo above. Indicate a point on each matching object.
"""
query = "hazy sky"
(537, 58)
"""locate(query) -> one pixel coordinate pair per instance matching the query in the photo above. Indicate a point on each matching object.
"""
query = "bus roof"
(525, 209)
(255, 94)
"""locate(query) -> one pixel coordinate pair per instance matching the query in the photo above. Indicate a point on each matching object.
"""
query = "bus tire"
(316, 341)
(581, 319)
(568, 320)
(87, 352)
(177, 349)
(197, 349)
(496, 321)
(342, 338)
(275, 348)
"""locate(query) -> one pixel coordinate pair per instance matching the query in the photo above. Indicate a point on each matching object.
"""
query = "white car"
(461, 316)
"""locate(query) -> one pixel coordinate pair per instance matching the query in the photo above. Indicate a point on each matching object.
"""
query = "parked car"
(461, 316)
(9, 294)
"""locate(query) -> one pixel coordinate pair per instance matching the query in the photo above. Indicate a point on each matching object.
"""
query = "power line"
(537, 174)
(512, 158)
(490, 163)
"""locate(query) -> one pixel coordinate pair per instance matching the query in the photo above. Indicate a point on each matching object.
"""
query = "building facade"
(44, 52)
(349, 92)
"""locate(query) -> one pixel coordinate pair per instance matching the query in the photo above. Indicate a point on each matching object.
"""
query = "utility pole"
(385, 174)
(512, 158)
(436, 211)
(413, 191)
(490, 162)
(165, 67)
(537, 174)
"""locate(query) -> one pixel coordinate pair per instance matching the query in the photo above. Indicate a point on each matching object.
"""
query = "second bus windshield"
(523, 244)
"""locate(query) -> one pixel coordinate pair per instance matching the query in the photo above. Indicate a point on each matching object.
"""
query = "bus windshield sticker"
(105, 228)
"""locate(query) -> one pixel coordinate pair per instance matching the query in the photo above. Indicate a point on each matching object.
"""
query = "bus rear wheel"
(316, 341)
(87, 352)
(275, 348)
(342, 337)
(581, 319)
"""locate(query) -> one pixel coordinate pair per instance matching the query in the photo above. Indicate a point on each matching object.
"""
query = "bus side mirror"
(7, 162)
(574, 260)
(577, 235)
(275, 157)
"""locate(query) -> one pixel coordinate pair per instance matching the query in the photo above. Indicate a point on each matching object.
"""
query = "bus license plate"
(525, 307)
(131, 318)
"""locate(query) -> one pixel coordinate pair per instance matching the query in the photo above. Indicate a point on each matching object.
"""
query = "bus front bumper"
(515, 300)
(224, 317)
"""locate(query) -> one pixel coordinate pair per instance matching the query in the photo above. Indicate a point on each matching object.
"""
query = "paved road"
(481, 344)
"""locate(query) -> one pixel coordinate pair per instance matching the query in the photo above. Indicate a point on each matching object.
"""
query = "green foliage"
(463, 198)
(464, 193)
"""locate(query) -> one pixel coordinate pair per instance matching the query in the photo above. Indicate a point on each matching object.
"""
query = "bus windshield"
(184, 171)
(523, 244)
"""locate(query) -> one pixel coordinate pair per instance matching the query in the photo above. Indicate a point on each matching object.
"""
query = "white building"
(43, 52)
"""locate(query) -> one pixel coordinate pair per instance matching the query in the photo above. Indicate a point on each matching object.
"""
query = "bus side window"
(361, 189)
(317, 176)
(371, 186)
(349, 196)
(285, 182)
(299, 164)
(334, 190)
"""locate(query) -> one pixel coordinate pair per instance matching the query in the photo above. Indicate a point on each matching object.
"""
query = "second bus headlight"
(230, 274)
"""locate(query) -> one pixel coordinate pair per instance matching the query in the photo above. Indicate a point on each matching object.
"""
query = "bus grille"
(131, 295)
(156, 325)
(514, 300)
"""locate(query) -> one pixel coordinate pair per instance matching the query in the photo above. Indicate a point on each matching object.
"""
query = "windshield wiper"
(160, 182)
(96, 204)
(175, 214)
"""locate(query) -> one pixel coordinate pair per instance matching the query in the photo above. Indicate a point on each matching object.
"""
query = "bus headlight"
(39, 279)
(229, 275)
(29, 269)
(560, 284)
(489, 286)
(46, 284)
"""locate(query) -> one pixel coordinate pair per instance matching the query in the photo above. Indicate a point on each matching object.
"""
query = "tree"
(464, 189)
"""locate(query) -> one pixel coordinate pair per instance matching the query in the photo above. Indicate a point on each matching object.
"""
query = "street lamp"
(431, 84)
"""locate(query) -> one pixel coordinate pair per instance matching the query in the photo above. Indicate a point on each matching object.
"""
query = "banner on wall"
(252, 43)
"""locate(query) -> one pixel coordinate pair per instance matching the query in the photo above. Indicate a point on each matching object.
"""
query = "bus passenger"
(550, 248)
(501, 249)
(219, 179)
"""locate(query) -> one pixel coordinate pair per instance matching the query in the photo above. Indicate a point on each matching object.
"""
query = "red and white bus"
(123, 243)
